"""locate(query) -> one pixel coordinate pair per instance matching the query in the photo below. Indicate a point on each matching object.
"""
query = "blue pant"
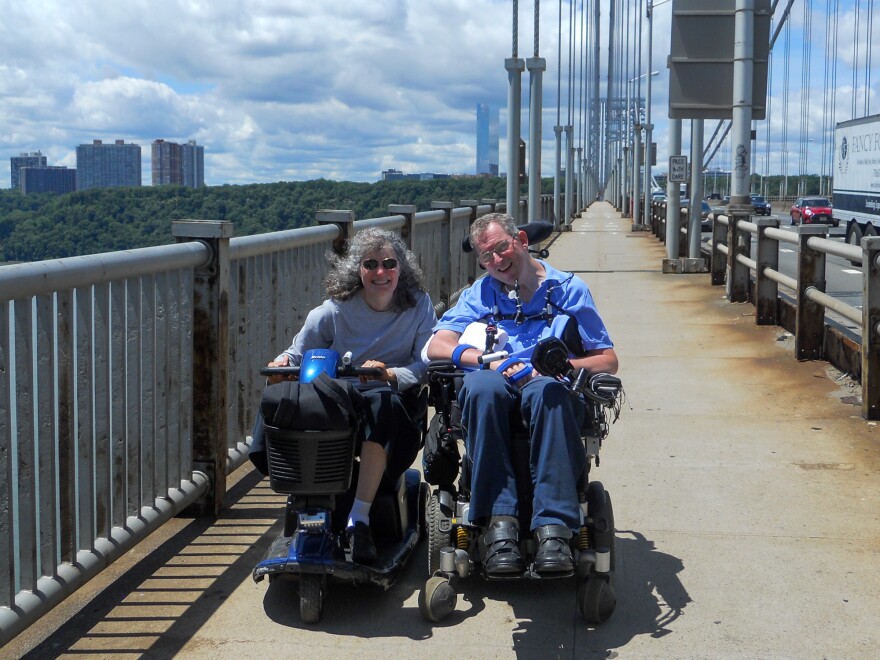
(556, 453)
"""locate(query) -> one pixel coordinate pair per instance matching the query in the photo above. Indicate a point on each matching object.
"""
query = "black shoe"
(360, 540)
(502, 549)
(554, 552)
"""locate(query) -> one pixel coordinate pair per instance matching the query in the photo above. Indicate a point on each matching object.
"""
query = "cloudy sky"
(285, 89)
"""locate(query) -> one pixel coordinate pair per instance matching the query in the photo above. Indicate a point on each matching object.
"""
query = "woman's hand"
(283, 362)
(386, 375)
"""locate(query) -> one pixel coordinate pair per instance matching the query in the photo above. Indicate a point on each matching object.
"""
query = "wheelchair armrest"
(443, 369)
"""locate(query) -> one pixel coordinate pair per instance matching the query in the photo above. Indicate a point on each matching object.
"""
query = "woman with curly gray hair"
(378, 311)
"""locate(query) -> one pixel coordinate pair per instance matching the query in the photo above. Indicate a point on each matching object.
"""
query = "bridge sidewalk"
(745, 495)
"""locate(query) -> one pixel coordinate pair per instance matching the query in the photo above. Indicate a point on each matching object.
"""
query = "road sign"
(701, 59)
(678, 169)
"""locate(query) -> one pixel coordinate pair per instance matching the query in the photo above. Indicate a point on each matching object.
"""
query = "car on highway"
(811, 210)
(761, 205)
(705, 212)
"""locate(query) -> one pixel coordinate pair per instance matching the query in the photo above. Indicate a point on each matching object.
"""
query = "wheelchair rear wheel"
(437, 538)
(600, 525)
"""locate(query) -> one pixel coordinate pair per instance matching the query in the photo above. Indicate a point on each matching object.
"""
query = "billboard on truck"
(857, 177)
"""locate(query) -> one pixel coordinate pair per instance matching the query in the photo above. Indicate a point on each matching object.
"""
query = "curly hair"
(344, 279)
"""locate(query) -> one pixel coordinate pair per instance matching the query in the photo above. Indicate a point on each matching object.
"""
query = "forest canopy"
(46, 226)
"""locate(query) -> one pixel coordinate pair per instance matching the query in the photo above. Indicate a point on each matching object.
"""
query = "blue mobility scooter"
(311, 459)
(455, 549)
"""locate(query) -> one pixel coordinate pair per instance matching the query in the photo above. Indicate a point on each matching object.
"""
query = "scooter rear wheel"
(311, 598)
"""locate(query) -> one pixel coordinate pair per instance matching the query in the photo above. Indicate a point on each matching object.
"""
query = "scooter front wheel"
(311, 597)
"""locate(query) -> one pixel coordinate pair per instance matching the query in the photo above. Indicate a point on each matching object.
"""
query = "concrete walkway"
(746, 496)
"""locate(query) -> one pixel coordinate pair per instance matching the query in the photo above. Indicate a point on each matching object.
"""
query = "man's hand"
(386, 376)
(509, 369)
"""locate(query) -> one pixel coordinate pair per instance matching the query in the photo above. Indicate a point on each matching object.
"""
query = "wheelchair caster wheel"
(437, 600)
(311, 598)
(596, 600)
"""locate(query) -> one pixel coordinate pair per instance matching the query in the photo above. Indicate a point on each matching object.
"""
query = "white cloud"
(289, 89)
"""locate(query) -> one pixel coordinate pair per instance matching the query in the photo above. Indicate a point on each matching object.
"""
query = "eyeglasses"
(489, 255)
(373, 264)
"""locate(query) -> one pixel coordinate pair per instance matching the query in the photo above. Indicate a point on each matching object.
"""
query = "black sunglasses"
(373, 264)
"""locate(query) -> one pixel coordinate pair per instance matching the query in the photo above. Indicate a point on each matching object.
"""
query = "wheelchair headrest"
(535, 231)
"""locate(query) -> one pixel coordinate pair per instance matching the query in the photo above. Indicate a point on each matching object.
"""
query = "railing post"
(446, 248)
(809, 333)
(342, 219)
(210, 357)
(766, 290)
(490, 202)
(738, 242)
(717, 259)
(871, 327)
(408, 211)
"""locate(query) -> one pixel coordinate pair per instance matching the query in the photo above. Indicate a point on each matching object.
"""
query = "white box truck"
(856, 187)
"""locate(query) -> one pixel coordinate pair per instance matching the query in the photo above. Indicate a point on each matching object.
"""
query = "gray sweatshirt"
(395, 338)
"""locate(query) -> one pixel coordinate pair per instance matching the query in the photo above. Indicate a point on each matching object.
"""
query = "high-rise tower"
(35, 159)
(100, 165)
(487, 139)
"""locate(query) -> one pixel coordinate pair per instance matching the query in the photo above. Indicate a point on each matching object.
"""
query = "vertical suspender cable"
(804, 129)
(786, 60)
(869, 34)
(536, 66)
(855, 71)
(557, 128)
(826, 74)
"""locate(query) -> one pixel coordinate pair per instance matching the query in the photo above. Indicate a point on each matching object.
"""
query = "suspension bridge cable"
(569, 104)
(803, 128)
(783, 20)
(855, 71)
(537, 24)
(559, 66)
(785, 73)
(826, 75)
(515, 48)
(869, 32)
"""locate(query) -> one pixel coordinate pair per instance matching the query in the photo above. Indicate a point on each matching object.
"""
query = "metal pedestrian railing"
(802, 307)
(129, 381)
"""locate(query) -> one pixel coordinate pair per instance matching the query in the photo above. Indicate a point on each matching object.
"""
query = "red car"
(812, 209)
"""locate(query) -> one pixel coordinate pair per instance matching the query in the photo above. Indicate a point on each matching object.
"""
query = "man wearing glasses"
(527, 300)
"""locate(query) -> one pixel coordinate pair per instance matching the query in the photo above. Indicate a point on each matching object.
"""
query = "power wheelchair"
(455, 549)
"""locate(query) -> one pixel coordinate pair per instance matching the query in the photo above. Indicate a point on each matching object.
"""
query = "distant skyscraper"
(100, 165)
(487, 139)
(54, 179)
(35, 159)
(178, 164)
(166, 163)
(193, 164)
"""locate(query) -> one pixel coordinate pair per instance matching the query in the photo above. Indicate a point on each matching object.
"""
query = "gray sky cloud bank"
(292, 89)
